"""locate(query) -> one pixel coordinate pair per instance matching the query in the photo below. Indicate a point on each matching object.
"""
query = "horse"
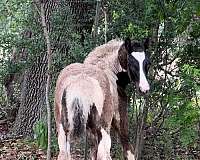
(91, 96)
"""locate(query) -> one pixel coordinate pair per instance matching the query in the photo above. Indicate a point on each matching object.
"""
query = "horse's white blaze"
(64, 147)
(130, 155)
(143, 83)
(103, 152)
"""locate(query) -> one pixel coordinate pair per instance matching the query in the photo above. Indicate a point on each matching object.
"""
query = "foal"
(91, 95)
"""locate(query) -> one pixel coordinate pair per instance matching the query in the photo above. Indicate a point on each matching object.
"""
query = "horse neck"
(110, 65)
(105, 57)
(113, 64)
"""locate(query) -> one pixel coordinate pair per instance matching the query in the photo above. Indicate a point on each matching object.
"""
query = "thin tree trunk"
(96, 21)
(140, 132)
(105, 23)
(49, 57)
(12, 100)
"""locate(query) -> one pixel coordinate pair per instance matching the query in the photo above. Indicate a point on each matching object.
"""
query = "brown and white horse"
(91, 96)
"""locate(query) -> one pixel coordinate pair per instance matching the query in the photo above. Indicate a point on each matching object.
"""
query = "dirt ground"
(18, 149)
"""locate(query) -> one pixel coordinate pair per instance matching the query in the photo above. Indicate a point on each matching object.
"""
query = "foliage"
(40, 134)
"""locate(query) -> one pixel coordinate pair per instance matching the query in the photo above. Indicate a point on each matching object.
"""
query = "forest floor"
(19, 149)
(24, 149)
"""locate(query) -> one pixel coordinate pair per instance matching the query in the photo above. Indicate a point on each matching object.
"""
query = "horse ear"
(128, 44)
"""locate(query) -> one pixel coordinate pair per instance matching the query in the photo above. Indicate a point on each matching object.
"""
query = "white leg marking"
(103, 152)
(130, 155)
(64, 147)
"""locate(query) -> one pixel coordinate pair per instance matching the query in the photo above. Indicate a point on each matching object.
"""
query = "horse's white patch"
(143, 83)
(98, 96)
(64, 147)
(70, 112)
(68, 148)
(103, 152)
(130, 155)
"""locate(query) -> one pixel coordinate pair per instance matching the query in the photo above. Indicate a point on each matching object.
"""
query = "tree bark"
(32, 99)
(32, 106)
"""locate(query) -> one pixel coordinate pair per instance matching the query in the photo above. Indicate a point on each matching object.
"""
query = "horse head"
(134, 60)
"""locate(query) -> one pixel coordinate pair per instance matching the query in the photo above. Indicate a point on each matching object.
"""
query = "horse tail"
(79, 118)
(73, 117)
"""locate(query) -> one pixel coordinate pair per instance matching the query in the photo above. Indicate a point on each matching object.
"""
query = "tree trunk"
(9, 79)
(83, 12)
(140, 132)
(33, 104)
(96, 21)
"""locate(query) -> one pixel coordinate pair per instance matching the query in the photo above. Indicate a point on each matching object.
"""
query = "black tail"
(79, 123)
(64, 119)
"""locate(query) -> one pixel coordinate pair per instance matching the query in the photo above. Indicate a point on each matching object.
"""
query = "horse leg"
(103, 132)
(64, 144)
(92, 131)
(121, 126)
(101, 145)
(99, 128)
(128, 151)
(104, 144)
(64, 130)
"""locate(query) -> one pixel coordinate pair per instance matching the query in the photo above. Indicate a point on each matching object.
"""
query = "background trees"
(172, 122)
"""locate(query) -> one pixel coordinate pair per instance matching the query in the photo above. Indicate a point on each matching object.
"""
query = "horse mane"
(103, 53)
